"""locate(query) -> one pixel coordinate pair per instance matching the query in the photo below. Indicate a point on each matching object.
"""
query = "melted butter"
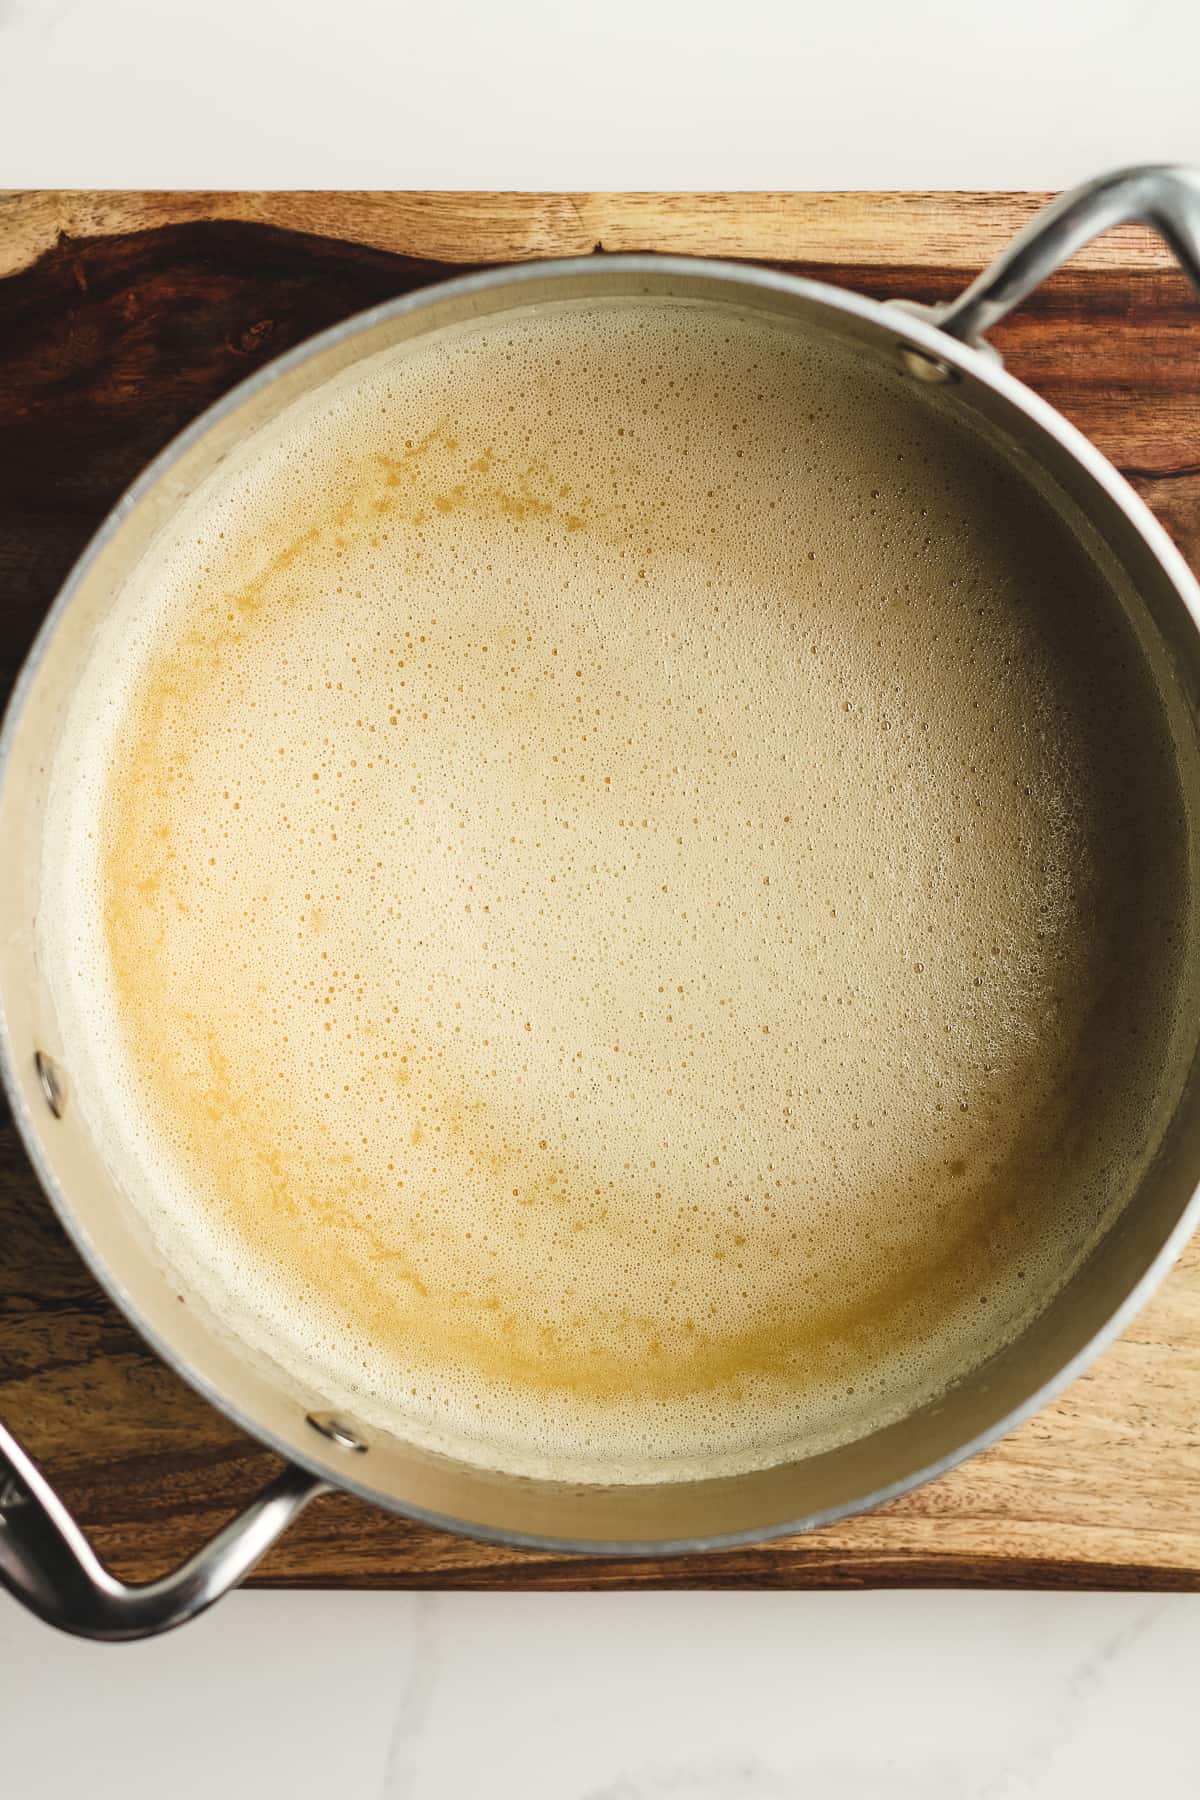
(635, 934)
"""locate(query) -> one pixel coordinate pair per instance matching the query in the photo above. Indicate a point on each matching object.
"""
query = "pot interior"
(76, 1159)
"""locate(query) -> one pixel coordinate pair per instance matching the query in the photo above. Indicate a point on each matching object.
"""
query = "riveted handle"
(48, 1564)
(1163, 196)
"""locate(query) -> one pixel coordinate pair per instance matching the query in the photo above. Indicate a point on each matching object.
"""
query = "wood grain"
(120, 317)
(925, 230)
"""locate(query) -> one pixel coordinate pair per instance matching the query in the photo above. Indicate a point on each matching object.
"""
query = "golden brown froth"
(640, 905)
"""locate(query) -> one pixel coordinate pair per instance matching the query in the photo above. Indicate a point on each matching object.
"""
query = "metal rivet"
(12, 1495)
(330, 1426)
(922, 365)
(53, 1082)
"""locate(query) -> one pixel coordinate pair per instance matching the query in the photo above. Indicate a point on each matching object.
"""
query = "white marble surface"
(628, 93)
(618, 1697)
(604, 1697)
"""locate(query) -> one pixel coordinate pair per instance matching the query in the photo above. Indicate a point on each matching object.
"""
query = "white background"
(616, 1697)
(596, 1697)
(568, 93)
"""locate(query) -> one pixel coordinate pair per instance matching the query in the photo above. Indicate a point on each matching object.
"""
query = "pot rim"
(908, 329)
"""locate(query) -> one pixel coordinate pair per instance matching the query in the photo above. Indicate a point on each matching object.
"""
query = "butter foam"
(625, 910)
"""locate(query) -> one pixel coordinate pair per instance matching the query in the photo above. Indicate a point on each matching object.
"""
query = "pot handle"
(1163, 195)
(48, 1564)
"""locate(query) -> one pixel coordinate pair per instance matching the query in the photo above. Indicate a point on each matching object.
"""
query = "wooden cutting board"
(121, 315)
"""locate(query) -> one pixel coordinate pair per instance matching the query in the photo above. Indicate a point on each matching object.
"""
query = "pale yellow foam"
(621, 885)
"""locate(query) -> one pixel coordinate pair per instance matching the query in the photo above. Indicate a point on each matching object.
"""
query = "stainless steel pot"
(44, 1559)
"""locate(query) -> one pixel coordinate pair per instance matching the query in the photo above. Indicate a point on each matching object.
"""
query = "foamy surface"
(624, 905)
